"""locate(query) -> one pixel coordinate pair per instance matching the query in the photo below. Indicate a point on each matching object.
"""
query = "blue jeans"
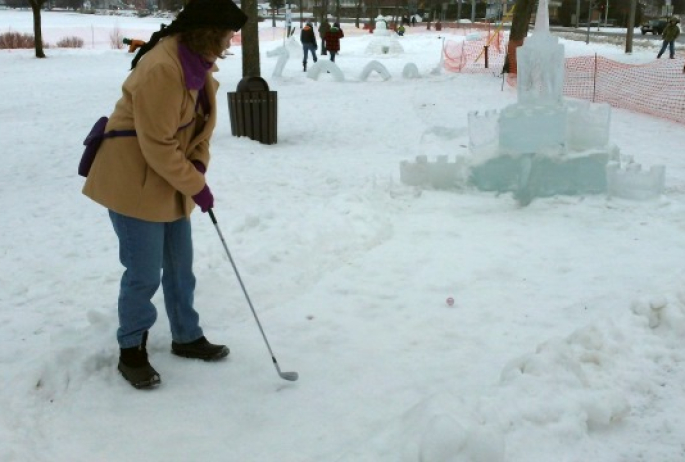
(671, 49)
(307, 47)
(153, 252)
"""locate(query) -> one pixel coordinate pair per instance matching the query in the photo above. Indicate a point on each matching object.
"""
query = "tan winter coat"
(149, 176)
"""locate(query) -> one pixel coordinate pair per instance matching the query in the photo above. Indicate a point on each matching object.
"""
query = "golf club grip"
(211, 215)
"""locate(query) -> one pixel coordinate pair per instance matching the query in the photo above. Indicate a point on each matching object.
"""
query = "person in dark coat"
(324, 27)
(308, 40)
(671, 32)
(332, 39)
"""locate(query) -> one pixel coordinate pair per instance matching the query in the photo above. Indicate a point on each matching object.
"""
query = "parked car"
(655, 26)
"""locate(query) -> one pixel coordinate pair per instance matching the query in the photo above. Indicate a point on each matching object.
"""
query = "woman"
(149, 174)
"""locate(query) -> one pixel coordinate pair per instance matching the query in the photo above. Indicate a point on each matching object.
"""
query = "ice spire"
(542, 18)
(540, 78)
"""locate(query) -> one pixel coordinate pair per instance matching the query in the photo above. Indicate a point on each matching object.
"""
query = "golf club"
(292, 376)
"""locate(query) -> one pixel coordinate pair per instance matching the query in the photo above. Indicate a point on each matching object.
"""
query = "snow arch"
(324, 65)
(374, 66)
(410, 71)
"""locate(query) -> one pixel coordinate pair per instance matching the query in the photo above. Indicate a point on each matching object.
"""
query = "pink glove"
(204, 199)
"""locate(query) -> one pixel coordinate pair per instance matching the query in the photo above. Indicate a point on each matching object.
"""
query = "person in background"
(151, 177)
(401, 30)
(333, 37)
(324, 27)
(133, 44)
(308, 40)
(671, 32)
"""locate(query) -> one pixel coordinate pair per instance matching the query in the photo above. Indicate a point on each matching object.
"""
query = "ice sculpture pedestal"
(534, 175)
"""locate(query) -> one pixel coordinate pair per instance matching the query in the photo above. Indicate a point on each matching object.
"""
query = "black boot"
(304, 66)
(200, 349)
(135, 367)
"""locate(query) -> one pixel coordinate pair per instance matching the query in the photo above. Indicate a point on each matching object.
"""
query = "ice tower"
(541, 62)
(541, 111)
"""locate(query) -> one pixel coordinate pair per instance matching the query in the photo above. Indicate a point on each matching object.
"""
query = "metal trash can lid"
(252, 84)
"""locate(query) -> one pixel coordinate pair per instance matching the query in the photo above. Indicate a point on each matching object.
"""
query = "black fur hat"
(223, 14)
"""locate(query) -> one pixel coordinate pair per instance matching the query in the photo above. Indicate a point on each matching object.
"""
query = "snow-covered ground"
(566, 341)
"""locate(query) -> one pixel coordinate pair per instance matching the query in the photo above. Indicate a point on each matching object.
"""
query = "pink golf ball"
(450, 301)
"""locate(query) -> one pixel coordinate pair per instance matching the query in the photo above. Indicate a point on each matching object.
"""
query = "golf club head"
(292, 376)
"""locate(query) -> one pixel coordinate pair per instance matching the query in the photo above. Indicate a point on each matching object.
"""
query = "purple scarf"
(195, 69)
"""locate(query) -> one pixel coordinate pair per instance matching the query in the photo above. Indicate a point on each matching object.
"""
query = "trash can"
(253, 110)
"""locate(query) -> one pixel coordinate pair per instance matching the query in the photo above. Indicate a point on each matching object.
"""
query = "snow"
(566, 338)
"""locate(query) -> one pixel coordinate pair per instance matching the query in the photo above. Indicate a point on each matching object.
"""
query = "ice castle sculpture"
(384, 41)
(544, 144)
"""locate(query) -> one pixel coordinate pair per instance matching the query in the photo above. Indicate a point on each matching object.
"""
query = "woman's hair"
(206, 41)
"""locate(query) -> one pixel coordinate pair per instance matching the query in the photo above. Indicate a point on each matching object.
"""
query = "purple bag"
(92, 143)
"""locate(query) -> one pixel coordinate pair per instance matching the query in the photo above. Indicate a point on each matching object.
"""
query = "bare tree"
(36, 5)
(523, 10)
(358, 14)
(324, 10)
(396, 13)
(301, 15)
(250, 40)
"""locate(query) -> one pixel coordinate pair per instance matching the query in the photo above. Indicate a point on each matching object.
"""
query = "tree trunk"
(395, 13)
(37, 32)
(250, 40)
(523, 9)
(324, 10)
(301, 15)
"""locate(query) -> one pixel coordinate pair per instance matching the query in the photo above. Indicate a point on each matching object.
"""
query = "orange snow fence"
(469, 55)
(655, 88)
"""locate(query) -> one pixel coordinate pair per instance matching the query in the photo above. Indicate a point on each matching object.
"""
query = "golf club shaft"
(286, 375)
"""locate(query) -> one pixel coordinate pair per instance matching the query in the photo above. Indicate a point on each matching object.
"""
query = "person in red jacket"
(333, 37)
